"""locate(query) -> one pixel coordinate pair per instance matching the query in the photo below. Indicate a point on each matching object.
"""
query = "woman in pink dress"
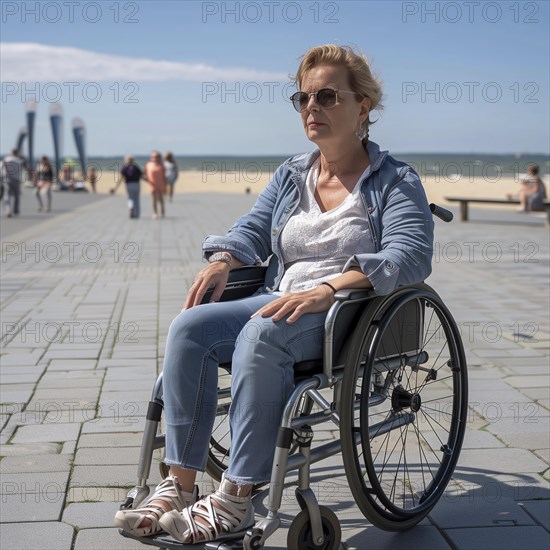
(156, 176)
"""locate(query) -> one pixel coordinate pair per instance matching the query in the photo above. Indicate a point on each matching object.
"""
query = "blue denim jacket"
(397, 209)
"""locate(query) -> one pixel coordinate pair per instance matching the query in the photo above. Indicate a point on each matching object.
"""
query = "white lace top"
(316, 245)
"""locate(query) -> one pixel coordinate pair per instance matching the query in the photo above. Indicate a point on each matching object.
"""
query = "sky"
(212, 78)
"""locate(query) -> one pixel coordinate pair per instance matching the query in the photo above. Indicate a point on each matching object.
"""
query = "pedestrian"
(131, 174)
(44, 182)
(12, 170)
(155, 174)
(171, 169)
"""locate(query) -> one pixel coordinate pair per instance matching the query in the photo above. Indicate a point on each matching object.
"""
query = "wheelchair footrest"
(165, 541)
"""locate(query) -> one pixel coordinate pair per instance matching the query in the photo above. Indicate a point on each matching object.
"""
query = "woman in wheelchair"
(347, 215)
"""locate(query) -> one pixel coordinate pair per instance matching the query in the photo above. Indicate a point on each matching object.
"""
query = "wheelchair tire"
(300, 535)
(403, 407)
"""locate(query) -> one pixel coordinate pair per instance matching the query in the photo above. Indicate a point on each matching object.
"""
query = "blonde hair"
(361, 78)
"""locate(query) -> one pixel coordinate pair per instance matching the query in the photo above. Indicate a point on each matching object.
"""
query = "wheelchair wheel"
(403, 407)
(220, 440)
(300, 536)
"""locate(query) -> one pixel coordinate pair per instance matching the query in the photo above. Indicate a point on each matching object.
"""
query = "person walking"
(155, 174)
(44, 182)
(131, 174)
(171, 169)
(11, 171)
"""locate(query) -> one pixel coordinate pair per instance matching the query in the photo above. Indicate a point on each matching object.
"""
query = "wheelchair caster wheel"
(253, 539)
(300, 534)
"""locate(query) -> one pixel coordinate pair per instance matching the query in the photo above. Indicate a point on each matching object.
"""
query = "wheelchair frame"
(369, 370)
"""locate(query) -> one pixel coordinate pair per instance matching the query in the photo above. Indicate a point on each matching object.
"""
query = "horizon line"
(514, 153)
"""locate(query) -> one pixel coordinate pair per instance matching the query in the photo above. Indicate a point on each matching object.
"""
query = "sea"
(443, 166)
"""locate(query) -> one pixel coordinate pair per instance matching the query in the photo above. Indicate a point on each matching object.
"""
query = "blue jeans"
(132, 188)
(11, 199)
(262, 353)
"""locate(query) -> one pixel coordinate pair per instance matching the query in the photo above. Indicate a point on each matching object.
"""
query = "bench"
(465, 200)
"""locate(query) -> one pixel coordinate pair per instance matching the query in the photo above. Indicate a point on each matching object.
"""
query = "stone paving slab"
(539, 510)
(34, 483)
(47, 432)
(121, 310)
(419, 538)
(35, 463)
(497, 538)
(46, 506)
(107, 456)
(90, 514)
(106, 538)
(479, 512)
(23, 536)
(116, 475)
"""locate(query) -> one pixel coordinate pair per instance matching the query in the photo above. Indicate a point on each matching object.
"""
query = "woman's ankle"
(186, 478)
(236, 488)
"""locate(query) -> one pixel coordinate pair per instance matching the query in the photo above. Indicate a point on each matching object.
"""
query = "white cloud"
(30, 62)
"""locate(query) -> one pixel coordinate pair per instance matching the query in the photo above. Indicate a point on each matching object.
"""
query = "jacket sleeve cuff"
(241, 251)
(382, 272)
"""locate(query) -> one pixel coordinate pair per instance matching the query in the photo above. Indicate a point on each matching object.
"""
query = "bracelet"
(330, 286)
(221, 257)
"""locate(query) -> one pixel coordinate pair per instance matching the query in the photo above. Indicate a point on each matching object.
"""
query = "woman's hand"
(316, 300)
(214, 275)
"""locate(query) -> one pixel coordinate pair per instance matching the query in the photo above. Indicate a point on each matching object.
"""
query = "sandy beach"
(240, 182)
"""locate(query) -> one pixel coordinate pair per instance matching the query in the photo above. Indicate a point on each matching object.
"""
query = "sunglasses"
(325, 98)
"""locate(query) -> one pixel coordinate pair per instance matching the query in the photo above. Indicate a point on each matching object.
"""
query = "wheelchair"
(393, 379)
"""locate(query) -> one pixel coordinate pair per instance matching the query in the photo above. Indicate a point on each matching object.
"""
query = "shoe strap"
(218, 520)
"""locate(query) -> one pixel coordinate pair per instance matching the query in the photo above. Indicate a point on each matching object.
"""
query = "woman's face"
(339, 123)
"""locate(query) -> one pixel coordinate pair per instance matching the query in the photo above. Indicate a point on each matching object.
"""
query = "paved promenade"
(87, 298)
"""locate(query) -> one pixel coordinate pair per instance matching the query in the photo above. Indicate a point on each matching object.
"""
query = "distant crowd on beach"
(160, 173)
(15, 171)
(161, 176)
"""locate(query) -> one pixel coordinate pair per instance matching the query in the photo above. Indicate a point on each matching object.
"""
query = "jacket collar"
(303, 162)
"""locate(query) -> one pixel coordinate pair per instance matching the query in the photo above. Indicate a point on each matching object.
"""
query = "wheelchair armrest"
(348, 294)
(246, 273)
(242, 282)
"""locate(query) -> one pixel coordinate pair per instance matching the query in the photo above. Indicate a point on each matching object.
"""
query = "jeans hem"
(184, 466)
(239, 480)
